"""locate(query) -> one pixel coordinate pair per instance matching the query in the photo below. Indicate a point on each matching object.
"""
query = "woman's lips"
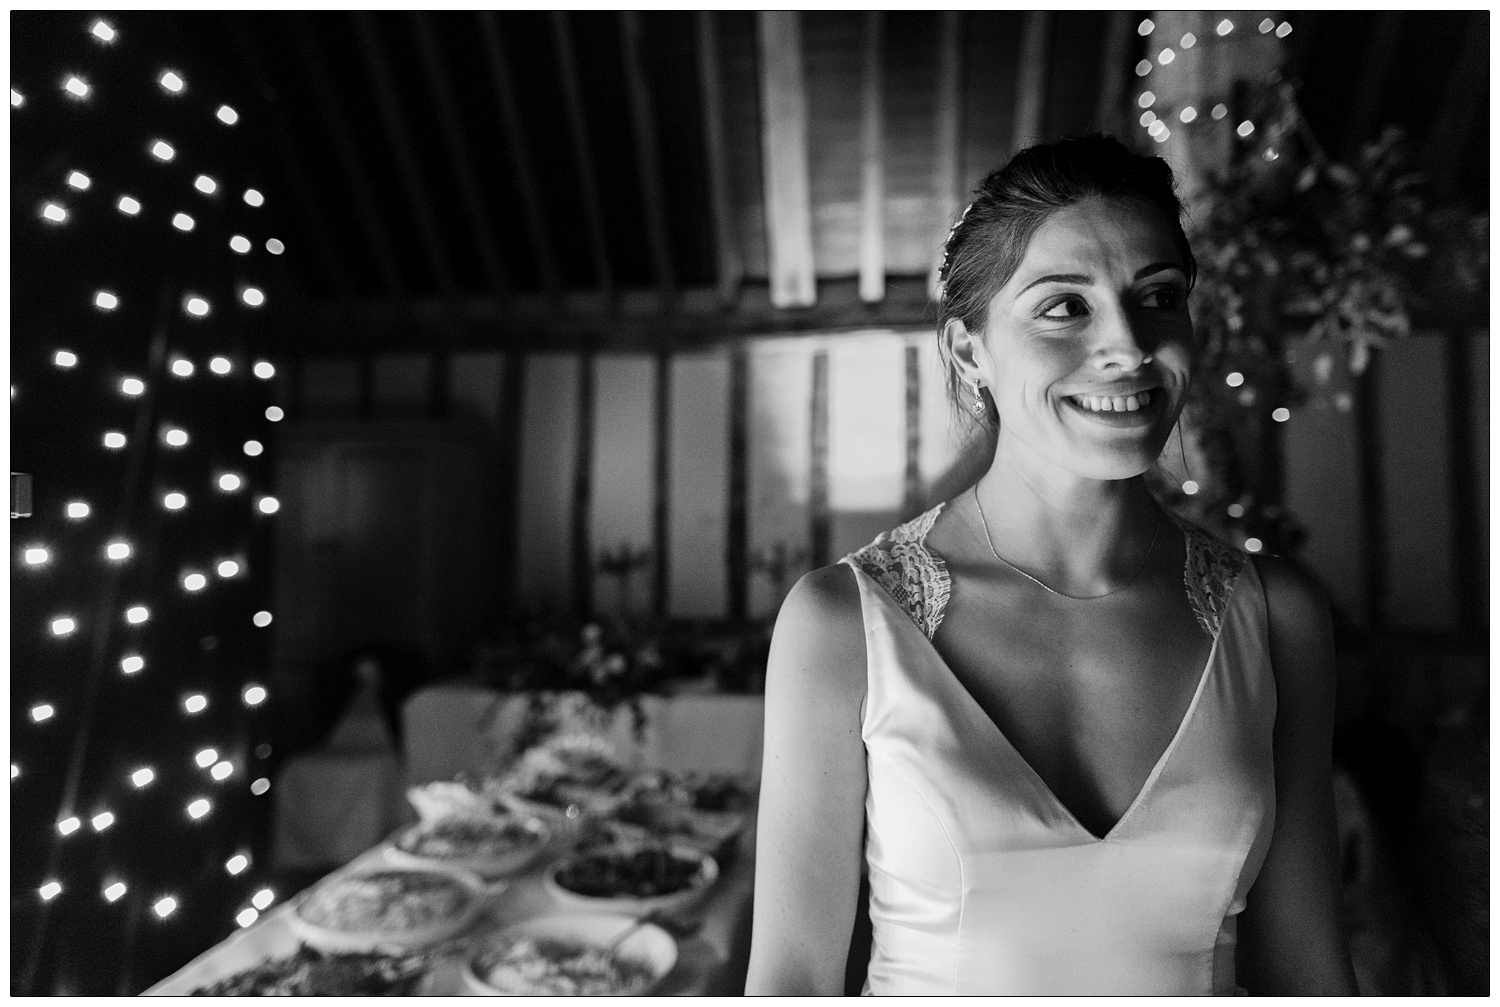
(1137, 408)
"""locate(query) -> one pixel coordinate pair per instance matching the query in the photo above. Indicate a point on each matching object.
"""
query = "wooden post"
(784, 140)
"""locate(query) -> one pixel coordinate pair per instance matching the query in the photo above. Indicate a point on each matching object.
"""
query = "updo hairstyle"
(987, 244)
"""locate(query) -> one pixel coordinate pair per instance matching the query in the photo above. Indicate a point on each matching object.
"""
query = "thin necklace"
(1072, 597)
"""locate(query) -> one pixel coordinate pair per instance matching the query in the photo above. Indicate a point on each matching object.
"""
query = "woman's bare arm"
(810, 835)
(1291, 936)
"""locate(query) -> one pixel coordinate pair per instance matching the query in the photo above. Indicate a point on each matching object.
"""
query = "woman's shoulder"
(818, 646)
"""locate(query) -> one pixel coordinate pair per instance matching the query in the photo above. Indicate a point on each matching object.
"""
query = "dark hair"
(987, 244)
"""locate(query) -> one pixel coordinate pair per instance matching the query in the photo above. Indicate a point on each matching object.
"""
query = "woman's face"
(1090, 343)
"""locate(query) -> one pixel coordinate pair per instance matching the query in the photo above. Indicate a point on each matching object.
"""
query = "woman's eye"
(1166, 299)
(1067, 307)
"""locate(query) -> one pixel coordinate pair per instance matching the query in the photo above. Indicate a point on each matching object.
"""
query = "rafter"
(583, 153)
(376, 65)
(726, 237)
(872, 165)
(475, 211)
(1031, 79)
(348, 155)
(1380, 55)
(519, 150)
(784, 142)
(1112, 71)
(647, 157)
(946, 172)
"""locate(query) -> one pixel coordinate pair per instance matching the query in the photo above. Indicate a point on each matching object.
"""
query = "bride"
(1076, 746)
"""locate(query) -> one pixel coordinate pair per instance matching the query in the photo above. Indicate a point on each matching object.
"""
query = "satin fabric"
(982, 882)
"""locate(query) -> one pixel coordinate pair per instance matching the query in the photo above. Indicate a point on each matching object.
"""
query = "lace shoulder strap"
(898, 560)
(1210, 573)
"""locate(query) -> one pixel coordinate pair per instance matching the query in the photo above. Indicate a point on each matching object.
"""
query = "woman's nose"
(1116, 344)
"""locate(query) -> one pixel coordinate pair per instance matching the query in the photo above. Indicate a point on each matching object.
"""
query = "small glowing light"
(65, 359)
(274, 246)
(1254, 545)
(262, 751)
(1143, 67)
(174, 501)
(78, 510)
(196, 306)
(1188, 114)
(132, 386)
(41, 712)
(63, 626)
(246, 916)
(1234, 379)
(237, 863)
(137, 614)
(1225, 27)
(240, 243)
(229, 482)
(69, 825)
(1146, 27)
(16, 100)
(114, 440)
(170, 81)
(227, 115)
(205, 185)
(76, 87)
(260, 786)
(268, 505)
(253, 197)
(1284, 29)
(115, 891)
(1163, 136)
(1146, 100)
(163, 150)
(36, 556)
(264, 369)
(104, 299)
(253, 297)
(194, 582)
(142, 777)
(182, 367)
(79, 180)
(263, 898)
(222, 771)
(49, 891)
(1148, 117)
(1245, 128)
(15, 770)
(1220, 111)
(117, 551)
(1266, 25)
(1166, 56)
(196, 703)
(54, 213)
(182, 222)
(206, 758)
(219, 365)
(129, 204)
(1189, 40)
(1281, 414)
(175, 437)
(132, 664)
(262, 619)
(1270, 154)
(165, 907)
(274, 414)
(228, 568)
(103, 32)
(255, 695)
(253, 448)
(199, 808)
(1236, 510)
(1156, 127)
(102, 821)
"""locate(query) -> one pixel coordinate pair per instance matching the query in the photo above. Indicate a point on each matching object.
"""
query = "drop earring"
(979, 408)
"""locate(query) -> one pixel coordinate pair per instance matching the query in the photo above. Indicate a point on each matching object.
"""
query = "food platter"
(388, 907)
(631, 879)
(572, 954)
(490, 846)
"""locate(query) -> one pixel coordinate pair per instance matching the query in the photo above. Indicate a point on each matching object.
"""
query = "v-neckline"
(1036, 778)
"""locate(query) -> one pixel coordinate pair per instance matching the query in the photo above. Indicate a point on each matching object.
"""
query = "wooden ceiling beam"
(291, 162)
(726, 235)
(1466, 87)
(475, 211)
(1114, 69)
(647, 157)
(372, 52)
(519, 149)
(348, 155)
(784, 150)
(583, 152)
(1031, 80)
(947, 171)
(872, 164)
(1380, 56)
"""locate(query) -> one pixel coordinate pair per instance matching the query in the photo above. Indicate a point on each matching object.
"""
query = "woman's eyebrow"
(1157, 267)
(1083, 279)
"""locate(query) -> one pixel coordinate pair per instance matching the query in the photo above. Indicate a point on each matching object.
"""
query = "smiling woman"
(1061, 771)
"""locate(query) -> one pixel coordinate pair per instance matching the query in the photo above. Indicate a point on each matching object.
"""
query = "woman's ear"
(965, 351)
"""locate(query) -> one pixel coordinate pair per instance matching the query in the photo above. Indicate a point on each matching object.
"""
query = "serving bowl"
(601, 866)
(423, 906)
(647, 948)
(442, 844)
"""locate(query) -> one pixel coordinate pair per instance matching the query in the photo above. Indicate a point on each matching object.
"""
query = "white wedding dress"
(982, 882)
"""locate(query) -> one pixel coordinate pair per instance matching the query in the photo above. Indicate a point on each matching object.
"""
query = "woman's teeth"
(1117, 403)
